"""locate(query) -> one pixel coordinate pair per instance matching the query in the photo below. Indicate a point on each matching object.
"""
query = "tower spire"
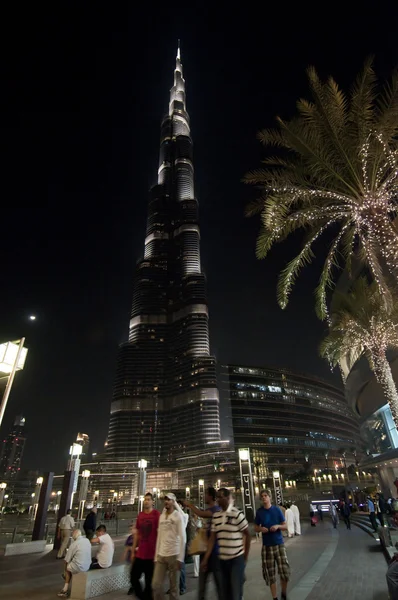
(177, 92)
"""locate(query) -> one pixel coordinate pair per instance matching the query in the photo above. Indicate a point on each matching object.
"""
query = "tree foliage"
(334, 166)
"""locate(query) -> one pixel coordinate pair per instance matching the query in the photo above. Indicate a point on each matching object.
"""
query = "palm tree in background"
(364, 325)
(335, 169)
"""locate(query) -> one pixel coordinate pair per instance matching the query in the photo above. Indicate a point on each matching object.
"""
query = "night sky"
(84, 90)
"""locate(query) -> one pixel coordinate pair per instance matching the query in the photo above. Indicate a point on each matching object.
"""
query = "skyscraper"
(12, 450)
(165, 402)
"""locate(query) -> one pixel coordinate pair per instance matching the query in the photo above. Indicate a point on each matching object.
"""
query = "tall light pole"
(74, 465)
(83, 493)
(201, 484)
(39, 482)
(58, 499)
(12, 359)
(142, 465)
(2, 492)
(248, 498)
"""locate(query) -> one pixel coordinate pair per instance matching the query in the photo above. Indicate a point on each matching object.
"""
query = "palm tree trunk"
(384, 377)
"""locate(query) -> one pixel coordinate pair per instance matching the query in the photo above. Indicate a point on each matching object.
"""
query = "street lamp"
(83, 493)
(12, 359)
(2, 492)
(201, 490)
(142, 465)
(36, 496)
(74, 465)
(244, 454)
(276, 476)
(247, 486)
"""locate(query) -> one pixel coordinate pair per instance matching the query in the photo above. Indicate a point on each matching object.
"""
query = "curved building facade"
(165, 401)
(289, 420)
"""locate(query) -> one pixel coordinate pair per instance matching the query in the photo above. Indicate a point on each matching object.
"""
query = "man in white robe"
(296, 517)
(290, 522)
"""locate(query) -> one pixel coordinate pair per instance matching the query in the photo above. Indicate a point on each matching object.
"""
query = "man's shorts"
(271, 555)
(72, 568)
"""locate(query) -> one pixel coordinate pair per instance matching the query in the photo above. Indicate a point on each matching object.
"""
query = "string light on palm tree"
(338, 173)
(364, 324)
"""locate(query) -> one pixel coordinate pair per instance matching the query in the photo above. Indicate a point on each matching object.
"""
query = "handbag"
(198, 545)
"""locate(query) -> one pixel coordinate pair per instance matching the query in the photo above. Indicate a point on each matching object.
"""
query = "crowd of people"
(216, 536)
(159, 543)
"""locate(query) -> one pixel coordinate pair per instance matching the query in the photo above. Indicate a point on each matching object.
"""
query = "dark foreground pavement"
(326, 564)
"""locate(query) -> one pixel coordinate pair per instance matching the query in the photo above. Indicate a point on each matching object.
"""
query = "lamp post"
(201, 489)
(187, 493)
(83, 493)
(12, 359)
(248, 498)
(74, 465)
(277, 487)
(36, 496)
(155, 497)
(142, 465)
(96, 498)
(58, 499)
(2, 492)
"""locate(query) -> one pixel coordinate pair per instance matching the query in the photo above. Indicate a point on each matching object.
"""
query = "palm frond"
(326, 279)
(264, 242)
(363, 95)
(387, 108)
(271, 137)
(255, 206)
(289, 274)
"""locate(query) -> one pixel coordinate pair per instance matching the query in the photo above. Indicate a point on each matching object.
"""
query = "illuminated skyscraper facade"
(12, 450)
(165, 401)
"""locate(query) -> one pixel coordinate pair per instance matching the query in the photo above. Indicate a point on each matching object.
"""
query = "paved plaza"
(326, 564)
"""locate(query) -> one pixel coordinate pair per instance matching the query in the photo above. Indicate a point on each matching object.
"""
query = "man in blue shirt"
(270, 522)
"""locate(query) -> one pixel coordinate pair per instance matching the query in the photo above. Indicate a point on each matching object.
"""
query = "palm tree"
(364, 325)
(335, 169)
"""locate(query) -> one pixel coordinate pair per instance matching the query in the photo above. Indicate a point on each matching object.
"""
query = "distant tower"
(12, 450)
(165, 401)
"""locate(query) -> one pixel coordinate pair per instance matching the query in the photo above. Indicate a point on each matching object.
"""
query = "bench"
(25, 548)
(99, 581)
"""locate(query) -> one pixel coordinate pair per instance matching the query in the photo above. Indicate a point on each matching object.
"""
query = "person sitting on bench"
(77, 560)
(104, 557)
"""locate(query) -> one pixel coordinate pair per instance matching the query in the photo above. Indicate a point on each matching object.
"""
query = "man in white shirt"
(65, 527)
(77, 560)
(296, 517)
(230, 529)
(170, 549)
(104, 557)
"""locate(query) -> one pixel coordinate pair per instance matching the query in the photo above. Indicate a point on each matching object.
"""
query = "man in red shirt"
(143, 550)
